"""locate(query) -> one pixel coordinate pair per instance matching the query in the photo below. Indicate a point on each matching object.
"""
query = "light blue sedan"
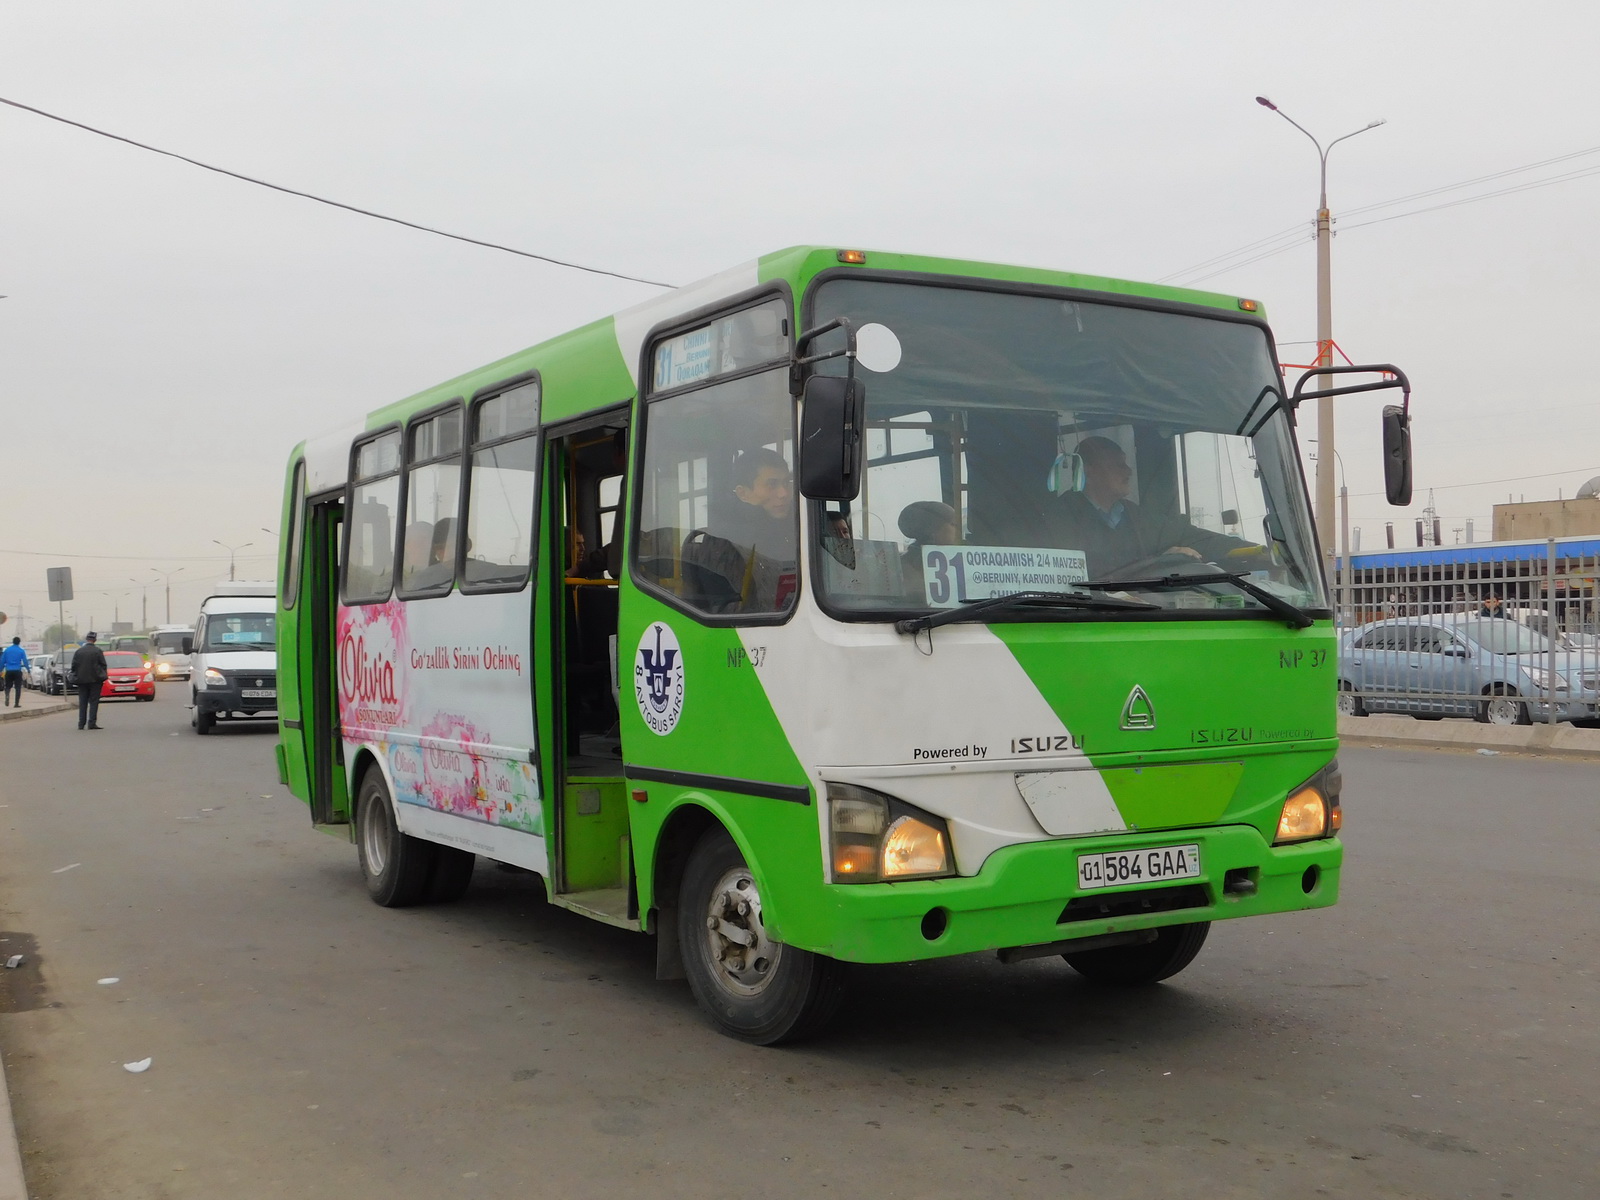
(1494, 670)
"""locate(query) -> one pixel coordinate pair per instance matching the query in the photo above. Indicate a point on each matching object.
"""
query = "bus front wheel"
(752, 986)
(1147, 962)
(396, 866)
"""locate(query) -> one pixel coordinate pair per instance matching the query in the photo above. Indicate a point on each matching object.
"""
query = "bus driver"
(1113, 532)
(746, 561)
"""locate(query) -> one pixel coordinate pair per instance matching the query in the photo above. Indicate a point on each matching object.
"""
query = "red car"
(129, 676)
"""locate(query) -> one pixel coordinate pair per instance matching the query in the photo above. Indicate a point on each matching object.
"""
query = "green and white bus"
(844, 607)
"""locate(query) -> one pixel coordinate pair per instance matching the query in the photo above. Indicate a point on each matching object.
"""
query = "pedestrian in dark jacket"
(89, 669)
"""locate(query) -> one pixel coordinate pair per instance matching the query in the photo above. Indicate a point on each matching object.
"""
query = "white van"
(168, 658)
(233, 654)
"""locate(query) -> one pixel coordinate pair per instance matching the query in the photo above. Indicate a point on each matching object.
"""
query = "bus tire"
(1145, 963)
(753, 987)
(396, 866)
(452, 872)
(203, 719)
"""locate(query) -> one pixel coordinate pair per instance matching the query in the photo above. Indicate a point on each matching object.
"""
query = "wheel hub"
(375, 834)
(741, 955)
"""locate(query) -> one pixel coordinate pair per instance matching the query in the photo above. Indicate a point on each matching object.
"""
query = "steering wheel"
(1165, 563)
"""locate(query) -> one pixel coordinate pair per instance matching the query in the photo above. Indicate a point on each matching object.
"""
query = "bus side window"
(370, 530)
(718, 519)
(502, 486)
(433, 499)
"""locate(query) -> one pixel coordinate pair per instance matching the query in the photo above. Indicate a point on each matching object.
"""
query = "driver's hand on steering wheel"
(1183, 550)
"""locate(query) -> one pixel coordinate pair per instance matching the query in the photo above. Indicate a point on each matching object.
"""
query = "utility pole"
(1324, 478)
(1345, 576)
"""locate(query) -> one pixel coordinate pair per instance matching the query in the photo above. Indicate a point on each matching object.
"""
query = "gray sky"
(170, 334)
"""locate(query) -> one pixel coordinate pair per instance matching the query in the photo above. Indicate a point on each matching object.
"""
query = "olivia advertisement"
(372, 687)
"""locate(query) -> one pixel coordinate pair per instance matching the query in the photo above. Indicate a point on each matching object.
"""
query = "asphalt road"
(1434, 1035)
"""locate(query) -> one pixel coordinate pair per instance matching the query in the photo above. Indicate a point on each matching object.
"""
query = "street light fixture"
(230, 550)
(1325, 457)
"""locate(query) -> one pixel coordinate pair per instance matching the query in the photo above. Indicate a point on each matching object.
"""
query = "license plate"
(259, 693)
(124, 687)
(1121, 868)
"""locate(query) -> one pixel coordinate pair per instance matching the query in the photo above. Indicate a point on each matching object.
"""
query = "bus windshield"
(170, 641)
(1030, 443)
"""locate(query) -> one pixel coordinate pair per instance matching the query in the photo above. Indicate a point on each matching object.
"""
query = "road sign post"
(59, 581)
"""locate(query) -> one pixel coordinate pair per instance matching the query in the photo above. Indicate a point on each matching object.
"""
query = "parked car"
(55, 679)
(1489, 668)
(129, 677)
(38, 671)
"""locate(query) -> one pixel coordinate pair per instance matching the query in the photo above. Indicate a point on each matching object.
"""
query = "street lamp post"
(167, 575)
(144, 602)
(1324, 478)
(230, 550)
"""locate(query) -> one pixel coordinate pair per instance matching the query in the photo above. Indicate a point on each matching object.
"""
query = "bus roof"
(596, 365)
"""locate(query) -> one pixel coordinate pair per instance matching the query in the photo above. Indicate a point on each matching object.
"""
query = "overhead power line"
(1279, 243)
(365, 212)
(1446, 487)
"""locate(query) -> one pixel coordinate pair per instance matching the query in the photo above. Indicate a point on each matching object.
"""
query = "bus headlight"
(215, 678)
(163, 668)
(878, 839)
(1312, 809)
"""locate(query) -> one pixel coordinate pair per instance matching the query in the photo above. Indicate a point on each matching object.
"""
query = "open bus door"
(311, 746)
(591, 860)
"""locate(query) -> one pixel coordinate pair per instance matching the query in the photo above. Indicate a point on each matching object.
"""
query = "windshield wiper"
(974, 608)
(1297, 618)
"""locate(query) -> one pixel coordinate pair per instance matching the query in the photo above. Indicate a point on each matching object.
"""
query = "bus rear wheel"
(396, 867)
(752, 986)
(1145, 963)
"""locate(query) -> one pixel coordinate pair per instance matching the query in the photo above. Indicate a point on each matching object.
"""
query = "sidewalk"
(37, 704)
(12, 1184)
(1560, 741)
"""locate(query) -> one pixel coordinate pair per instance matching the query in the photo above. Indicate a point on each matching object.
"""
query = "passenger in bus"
(925, 523)
(746, 560)
(607, 559)
(417, 543)
(442, 546)
(1114, 533)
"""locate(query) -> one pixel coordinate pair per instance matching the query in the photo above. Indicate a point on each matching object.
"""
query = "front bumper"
(229, 700)
(112, 689)
(1021, 897)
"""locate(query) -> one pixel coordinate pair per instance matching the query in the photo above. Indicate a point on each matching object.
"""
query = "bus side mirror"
(1397, 454)
(188, 645)
(832, 417)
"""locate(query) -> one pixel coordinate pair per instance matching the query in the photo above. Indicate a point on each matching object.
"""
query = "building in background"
(1578, 517)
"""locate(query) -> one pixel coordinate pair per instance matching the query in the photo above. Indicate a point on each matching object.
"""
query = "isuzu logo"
(1137, 711)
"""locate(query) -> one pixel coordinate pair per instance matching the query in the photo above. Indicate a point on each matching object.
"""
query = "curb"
(40, 710)
(13, 1186)
(1556, 741)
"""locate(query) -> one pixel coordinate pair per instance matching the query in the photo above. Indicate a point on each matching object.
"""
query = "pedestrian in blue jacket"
(13, 662)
